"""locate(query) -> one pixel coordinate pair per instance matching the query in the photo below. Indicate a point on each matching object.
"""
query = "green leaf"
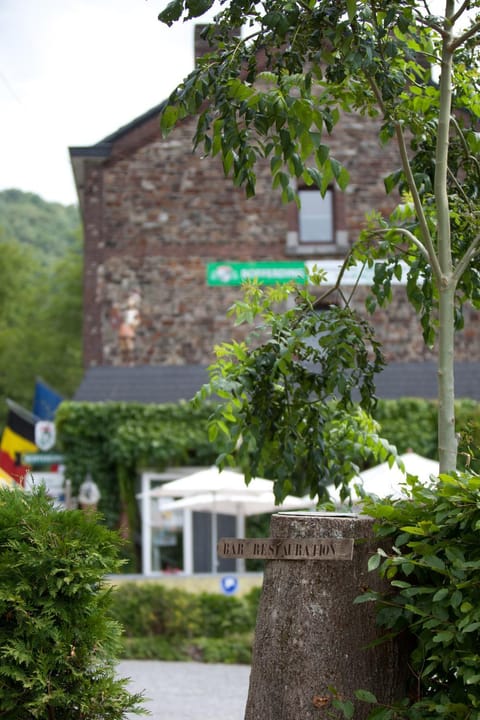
(443, 637)
(168, 118)
(322, 153)
(366, 696)
(351, 9)
(373, 562)
(172, 12)
(198, 7)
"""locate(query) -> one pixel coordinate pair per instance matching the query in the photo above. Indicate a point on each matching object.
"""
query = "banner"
(46, 401)
(18, 437)
(266, 273)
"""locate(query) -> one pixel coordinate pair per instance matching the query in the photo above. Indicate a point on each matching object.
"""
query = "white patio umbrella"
(224, 492)
(237, 504)
(212, 480)
(384, 481)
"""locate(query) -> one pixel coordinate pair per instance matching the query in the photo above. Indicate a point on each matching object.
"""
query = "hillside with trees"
(40, 296)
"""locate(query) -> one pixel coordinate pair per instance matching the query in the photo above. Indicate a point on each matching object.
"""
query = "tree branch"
(465, 260)
(461, 39)
(402, 146)
(409, 235)
(463, 7)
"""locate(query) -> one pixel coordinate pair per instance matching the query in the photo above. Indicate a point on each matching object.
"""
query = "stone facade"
(155, 214)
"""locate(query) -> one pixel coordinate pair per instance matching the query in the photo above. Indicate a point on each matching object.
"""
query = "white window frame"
(336, 241)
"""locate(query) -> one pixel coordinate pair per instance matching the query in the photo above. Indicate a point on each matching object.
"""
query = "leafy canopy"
(278, 92)
(293, 392)
(40, 296)
(274, 95)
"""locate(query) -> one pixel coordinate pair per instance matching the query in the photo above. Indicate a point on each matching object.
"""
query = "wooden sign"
(286, 549)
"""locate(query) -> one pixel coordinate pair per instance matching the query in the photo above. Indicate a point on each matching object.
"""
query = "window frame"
(339, 242)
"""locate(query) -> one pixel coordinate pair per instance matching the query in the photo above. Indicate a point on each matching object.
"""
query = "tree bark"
(310, 638)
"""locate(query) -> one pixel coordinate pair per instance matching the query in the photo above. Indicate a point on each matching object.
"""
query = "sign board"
(270, 273)
(229, 584)
(42, 458)
(45, 434)
(286, 548)
(267, 273)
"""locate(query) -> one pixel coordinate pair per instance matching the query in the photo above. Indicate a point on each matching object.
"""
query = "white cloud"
(72, 72)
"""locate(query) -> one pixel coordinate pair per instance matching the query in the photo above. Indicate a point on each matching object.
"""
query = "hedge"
(172, 624)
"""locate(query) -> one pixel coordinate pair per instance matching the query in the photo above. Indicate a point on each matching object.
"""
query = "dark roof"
(143, 384)
(419, 379)
(172, 383)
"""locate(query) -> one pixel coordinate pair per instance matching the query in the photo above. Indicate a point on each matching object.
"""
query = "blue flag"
(46, 401)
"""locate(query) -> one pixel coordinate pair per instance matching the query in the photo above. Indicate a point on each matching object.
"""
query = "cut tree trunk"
(311, 639)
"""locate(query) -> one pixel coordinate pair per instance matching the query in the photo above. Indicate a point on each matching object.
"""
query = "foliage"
(293, 395)
(433, 571)
(397, 418)
(40, 297)
(49, 229)
(114, 441)
(172, 624)
(57, 642)
(277, 93)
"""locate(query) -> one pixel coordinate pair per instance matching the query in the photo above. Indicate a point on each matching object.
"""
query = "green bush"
(172, 624)
(57, 641)
(221, 615)
(236, 650)
(411, 423)
(434, 575)
(153, 648)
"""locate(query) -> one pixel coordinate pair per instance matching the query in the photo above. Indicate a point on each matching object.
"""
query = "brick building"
(163, 231)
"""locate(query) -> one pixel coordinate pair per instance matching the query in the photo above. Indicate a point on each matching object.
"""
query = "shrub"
(434, 574)
(57, 642)
(171, 624)
(221, 615)
(237, 649)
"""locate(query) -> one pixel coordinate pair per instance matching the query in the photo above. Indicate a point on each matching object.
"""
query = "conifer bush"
(57, 641)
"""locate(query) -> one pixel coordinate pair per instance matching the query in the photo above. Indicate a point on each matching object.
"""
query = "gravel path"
(189, 691)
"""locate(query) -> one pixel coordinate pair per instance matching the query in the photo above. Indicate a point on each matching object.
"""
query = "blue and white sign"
(229, 584)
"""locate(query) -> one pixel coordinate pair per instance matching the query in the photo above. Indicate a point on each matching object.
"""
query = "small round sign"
(229, 584)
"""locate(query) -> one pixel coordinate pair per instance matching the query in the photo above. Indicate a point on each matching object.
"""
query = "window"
(315, 217)
(316, 228)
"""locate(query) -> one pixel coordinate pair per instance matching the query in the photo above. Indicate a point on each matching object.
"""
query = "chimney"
(204, 45)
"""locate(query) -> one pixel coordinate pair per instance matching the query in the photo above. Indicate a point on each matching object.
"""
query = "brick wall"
(155, 214)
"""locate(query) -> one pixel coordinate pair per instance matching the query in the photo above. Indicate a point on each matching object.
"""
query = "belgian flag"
(18, 437)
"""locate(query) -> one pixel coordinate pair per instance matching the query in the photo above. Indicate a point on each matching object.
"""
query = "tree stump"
(310, 636)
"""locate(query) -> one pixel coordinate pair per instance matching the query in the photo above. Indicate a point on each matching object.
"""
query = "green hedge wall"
(411, 423)
(172, 624)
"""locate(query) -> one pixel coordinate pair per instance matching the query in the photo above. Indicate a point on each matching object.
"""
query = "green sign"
(267, 273)
(42, 458)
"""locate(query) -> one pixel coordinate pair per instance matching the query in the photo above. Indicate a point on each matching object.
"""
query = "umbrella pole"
(214, 542)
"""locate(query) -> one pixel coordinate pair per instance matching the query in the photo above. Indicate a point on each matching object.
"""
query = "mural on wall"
(126, 319)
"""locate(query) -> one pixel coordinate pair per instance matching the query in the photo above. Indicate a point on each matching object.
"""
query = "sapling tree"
(274, 94)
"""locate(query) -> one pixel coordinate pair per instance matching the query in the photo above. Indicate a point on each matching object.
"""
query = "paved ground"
(189, 691)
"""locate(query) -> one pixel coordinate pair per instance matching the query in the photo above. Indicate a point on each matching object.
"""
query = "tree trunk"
(310, 637)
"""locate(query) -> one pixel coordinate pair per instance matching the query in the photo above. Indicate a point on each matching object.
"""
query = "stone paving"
(189, 691)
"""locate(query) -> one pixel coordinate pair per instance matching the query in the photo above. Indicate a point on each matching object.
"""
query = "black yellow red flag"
(18, 437)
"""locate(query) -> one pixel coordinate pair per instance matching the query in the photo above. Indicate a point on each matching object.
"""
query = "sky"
(71, 73)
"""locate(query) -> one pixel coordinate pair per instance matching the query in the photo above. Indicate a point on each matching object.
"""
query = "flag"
(18, 437)
(46, 401)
